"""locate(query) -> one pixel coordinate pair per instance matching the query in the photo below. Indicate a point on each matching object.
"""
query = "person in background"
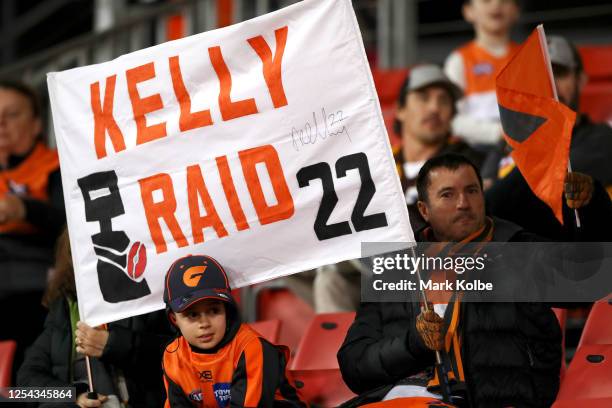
(425, 109)
(590, 152)
(591, 147)
(475, 65)
(125, 368)
(31, 213)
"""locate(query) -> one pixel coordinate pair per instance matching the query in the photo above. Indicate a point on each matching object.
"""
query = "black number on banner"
(328, 202)
(323, 172)
(359, 161)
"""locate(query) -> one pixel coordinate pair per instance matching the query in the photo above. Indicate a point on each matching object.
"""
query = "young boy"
(475, 66)
(217, 361)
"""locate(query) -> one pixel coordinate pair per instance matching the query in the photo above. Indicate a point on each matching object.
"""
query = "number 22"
(323, 172)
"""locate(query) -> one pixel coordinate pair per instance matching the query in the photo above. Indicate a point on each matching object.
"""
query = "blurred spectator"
(474, 66)
(426, 106)
(31, 213)
(591, 148)
(126, 367)
(590, 153)
(329, 288)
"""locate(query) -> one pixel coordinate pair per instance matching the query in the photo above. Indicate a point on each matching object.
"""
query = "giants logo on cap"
(192, 276)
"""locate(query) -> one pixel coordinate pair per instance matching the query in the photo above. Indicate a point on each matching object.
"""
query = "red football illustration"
(137, 260)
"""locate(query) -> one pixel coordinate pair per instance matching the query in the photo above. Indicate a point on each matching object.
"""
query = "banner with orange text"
(261, 144)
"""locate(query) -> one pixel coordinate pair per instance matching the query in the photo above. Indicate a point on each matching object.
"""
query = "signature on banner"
(320, 128)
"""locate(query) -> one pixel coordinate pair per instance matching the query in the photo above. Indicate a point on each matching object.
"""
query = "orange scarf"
(451, 354)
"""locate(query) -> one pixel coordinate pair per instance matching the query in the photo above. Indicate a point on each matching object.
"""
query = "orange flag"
(536, 125)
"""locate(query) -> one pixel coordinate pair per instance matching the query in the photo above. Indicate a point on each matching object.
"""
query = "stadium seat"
(388, 84)
(598, 327)
(597, 62)
(315, 366)
(269, 329)
(7, 352)
(237, 295)
(590, 403)
(596, 101)
(277, 302)
(589, 375)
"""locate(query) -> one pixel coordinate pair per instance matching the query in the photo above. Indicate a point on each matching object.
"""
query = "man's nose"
(433, 106)
(463, 202)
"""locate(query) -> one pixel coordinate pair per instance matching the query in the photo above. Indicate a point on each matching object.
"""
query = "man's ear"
(423, 210)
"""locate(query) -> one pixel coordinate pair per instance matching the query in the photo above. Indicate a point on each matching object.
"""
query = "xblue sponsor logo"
(222, 394)
(483, 68)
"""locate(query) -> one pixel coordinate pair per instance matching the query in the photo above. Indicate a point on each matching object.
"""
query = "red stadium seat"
(590, 403)
(388, 84)
(237, 295)
(597, 61)
(269, 329)
(315, 365)
(282, 304)
(7, 352)
(589, 375)
(596, 101)
(598, 327)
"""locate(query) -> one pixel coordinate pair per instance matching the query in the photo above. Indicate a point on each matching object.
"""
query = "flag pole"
(551, 77)
(91, 394)
(440, 367)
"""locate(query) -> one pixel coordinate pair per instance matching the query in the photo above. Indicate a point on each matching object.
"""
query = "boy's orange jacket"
(248, 371)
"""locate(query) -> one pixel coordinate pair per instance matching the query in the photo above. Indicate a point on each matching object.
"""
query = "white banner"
(261, 144)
